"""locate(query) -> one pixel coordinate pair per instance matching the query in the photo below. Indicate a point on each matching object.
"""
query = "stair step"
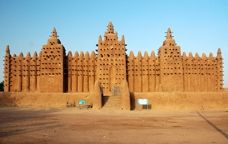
(111, 102)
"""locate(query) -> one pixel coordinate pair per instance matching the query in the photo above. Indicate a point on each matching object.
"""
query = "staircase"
(111, 102)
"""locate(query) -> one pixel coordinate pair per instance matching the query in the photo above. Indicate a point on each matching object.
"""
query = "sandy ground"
(68, 126)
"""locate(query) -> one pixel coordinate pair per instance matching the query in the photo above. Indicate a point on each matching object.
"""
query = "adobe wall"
(173, 71)
(158, 100)
(42, 100)
(21, 73)
(143, 72)
(111, 60)
(168, 71)
(183, 100)
(52, 65)
(81, 71)
(189, 73)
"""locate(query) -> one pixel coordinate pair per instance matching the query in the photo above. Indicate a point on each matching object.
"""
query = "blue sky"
(198, 25)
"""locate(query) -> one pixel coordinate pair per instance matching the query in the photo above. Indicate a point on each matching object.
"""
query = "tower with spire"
(52, 66)
(111, 61)
(170, 64)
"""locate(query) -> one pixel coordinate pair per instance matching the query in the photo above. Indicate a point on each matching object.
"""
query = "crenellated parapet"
(20, 67)
(130, 71)
(92, 70)
(21, 73)
(142, 72)
(33, 72)
(201, 73)
(70, 70)
(81, 71)
(7, 70)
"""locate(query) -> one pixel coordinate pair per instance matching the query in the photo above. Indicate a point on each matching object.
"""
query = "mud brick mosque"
(52, 70)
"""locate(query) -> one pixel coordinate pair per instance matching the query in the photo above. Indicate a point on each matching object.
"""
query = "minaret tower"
(171, 73)
(111, 62)
(52, 65)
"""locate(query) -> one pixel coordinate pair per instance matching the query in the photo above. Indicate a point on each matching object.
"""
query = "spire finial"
(21, 55)
(153, 54)
(110, 28)
(146, 56)
(169, 38)
(123, 39)
(219, 53)
(28, 55)
(139, 54)
(169, 34)
(93, 55)
(131, 56)
(54, 33)
(35, 54)
(76, 54)
(100, 39)
(69, 54)
(7, 49)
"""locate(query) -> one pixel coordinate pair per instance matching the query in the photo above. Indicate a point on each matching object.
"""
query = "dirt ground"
(68, 126)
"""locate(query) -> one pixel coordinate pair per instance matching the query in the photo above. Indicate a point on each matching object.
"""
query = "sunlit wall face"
(199, 26)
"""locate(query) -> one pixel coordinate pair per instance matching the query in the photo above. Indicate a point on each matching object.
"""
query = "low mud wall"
(56, 100)
(183, 100)
(157, 100)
